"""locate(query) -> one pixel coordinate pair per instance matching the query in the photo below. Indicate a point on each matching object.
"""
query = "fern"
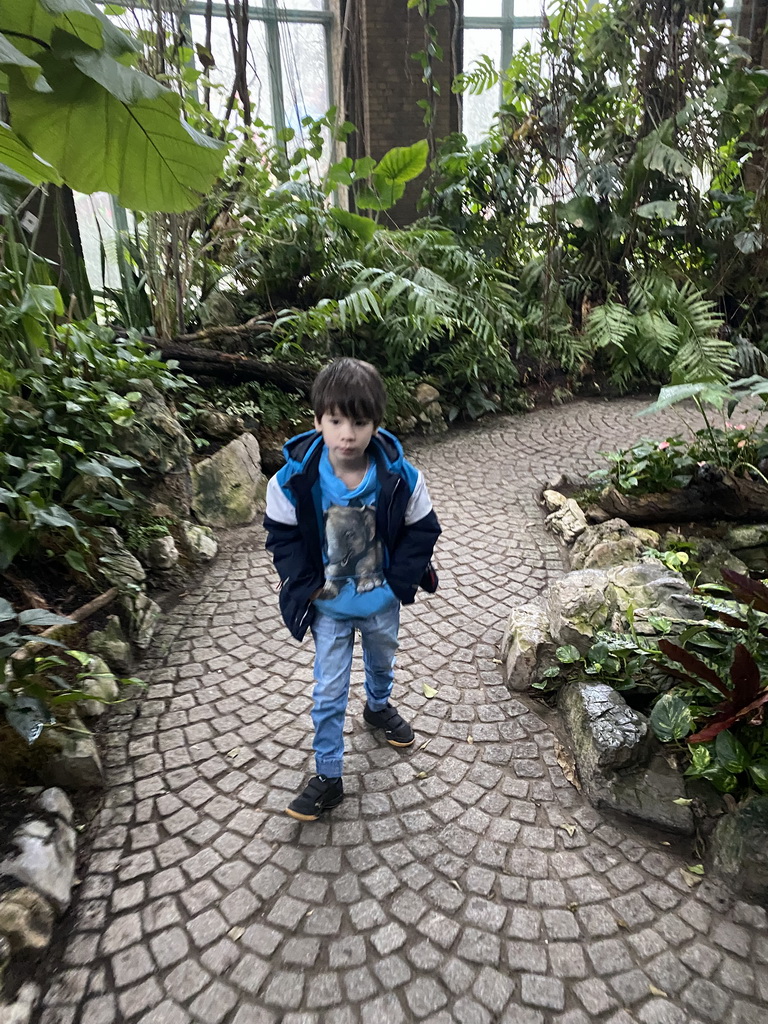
(481, 77)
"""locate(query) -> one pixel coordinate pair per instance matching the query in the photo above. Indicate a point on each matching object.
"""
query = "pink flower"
(740, 426)
(741, 444)
(728, 424)
(701, 463)
(663, 445)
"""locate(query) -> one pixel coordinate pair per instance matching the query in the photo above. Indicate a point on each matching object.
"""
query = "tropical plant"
(612, 187)
(82, 115)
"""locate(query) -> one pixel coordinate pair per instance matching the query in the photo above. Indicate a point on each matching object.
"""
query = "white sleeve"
(279, 508)
(420, 503)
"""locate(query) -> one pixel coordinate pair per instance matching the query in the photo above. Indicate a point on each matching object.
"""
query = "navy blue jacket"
(295, 516)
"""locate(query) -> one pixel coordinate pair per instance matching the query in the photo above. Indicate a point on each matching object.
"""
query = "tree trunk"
(234, 368)
(714, 494)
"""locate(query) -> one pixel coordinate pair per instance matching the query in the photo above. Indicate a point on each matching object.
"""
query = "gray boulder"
(577, 605)
(651, 589)
(750, 544)
(229, 487)
(606, 733)
(613, 748)
(220, 425)
(739, 848)
(68, 757)
(527, 646)
(119, 566)
(142, 616)
(98, 682)
(21, 1009)
(111, 644)
(567, 521)
(160, 553)
(613, 542)
(647, 793)
(199, 542)
(42, 857)
(713, 556)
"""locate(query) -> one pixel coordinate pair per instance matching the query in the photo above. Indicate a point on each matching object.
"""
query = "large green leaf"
(671, 718)
(730, 753)
(42, 617)
(13, 188)
(10, 57)
(665, 209)
(363, 227)
(35, 22)
(28, 716)
(20, 159)
(110, 128)
(403, 163)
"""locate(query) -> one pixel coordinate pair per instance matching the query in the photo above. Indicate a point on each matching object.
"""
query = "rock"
(613, 542)
(406, 424)
(577, 605)
(425, 395)
(199, 541)
(606, 733)
(553, 499)
(156, 438)
(111, 644)
(229, 487)
(739, 848)
(713, 556)
(650, 589)
(20, 1011)
(526, 646)
(55, 801)
(595, 514)
(161, 553)
(68, 758)
(26, 919)
(738, 538)
(43, 858)
(119, 566)
(648, 794)
(142, 616)
(220, 425)
(98, 681)
(568, 521)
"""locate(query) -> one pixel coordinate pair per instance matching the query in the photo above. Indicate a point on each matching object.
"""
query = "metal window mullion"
(275, 61)
(507, 30)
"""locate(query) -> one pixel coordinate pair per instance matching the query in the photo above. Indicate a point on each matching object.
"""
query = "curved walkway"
(462, 882)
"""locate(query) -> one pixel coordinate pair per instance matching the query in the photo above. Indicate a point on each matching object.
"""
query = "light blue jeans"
(334, 641)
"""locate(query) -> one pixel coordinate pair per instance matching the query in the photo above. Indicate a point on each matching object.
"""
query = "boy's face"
(346, 439)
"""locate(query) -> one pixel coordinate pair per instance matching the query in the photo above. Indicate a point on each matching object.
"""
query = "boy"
(351, 530)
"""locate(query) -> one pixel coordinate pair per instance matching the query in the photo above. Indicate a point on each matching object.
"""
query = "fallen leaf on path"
(570, 829)
(566, 762)
(682, 802)
(236, 933)
(429, 691)
(470, 739)
(657, 991)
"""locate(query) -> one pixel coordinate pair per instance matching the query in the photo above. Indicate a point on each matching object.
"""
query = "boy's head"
(352, 388)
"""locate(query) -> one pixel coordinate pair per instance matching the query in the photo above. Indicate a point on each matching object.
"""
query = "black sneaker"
(320, 795)
(397, 731)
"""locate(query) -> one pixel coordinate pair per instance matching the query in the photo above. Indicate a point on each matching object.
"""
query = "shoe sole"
(312, 817)
(392, 743)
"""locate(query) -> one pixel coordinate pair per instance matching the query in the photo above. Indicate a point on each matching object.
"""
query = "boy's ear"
(317, 424)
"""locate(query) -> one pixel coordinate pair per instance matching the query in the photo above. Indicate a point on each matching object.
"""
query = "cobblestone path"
(463, 882)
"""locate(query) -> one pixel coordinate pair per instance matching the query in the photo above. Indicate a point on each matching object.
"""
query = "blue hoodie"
(405, 525)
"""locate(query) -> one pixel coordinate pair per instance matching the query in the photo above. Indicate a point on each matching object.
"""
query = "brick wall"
(383, 34)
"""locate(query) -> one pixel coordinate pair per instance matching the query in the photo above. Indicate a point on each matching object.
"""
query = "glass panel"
(302, 5)
(96, 222)
(529, 8)
(482, 8)
(305, 78)
(521, 36)
(478, 111)
(223, 74)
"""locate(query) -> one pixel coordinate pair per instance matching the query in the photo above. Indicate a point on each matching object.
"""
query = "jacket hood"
(300, 449)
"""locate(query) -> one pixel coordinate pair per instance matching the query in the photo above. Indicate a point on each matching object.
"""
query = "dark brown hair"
(353, 387)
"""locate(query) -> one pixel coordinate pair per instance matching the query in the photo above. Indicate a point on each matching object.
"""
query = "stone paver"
(461, 881)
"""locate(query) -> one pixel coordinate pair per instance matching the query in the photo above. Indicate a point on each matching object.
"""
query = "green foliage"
(616, 187)
(61, 467)
(649, 467)
(100, 124)
(34, 687)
